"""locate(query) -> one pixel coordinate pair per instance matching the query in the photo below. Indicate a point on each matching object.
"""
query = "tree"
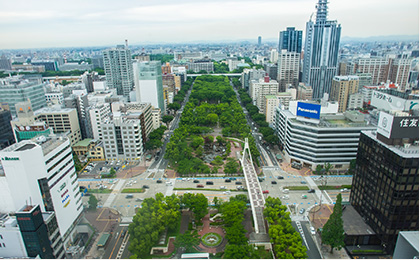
(188, 240)
(318, 170)
(327, 167)
(112, 172)
(167, 119)
(231, 166)
(352, 167)
(93, 202)
(333, 231)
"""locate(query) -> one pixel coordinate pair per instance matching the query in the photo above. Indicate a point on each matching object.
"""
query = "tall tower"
(290, 40)
(119, 70)
(321, 51)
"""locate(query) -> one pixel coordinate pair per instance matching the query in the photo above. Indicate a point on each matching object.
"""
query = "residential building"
(320, 61)
(274, 56)
(97, 114)
(122, 138)
(290, 40)
(313, 134)
(88, 78)
(365, 79)
(41, 172)
(355, 101)
(144, 113)
(270, 104)
(378, 67)
(119, 70)
(342, 88)
(399, 72)
(156, 118)
(148, 82)
(54, 98)
(262, 88)
(271, 70)
(288, 69)
(251, 74)
(16, 89)
(98, 62)
(385, 188)
(142, 57)
(81, 104)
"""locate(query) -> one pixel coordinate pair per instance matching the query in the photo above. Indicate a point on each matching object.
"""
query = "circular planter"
(211, 239)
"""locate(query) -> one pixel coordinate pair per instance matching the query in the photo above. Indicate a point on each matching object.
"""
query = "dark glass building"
(290, 40)
(385, 190)
(6, 133)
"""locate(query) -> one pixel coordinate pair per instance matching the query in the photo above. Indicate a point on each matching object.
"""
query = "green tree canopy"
(93, 202)
(333, 231)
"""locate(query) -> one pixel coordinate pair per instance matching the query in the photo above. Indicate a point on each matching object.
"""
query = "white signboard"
(389, 102)
(385, 124)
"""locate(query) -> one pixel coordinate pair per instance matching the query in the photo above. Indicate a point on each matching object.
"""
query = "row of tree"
(155, 138)
(287, 242)
(267, 132)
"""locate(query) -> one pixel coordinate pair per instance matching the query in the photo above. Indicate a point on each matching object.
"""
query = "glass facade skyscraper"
(290, 40)
(320, 60)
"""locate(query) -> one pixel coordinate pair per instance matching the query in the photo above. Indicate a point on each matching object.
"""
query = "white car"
(313, 232)
(344, 190)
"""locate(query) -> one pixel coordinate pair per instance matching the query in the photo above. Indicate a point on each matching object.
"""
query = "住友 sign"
(308, 110)
(398, 127)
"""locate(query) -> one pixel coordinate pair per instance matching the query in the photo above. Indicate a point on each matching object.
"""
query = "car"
(200, 186)
(311, 191)
(139, 199)
(196, 181)
(146, 187)
(223, 187)
(260, 179)
(304, 196)
(209, 183)
(238, 183)
(239, 187)
(273, 182)
(313, 232)
(159, 181)
(232, 178)
(302, 210)
(303, 182)
(285, 197)
(129, 196)
(228, 180)
(280, 177)
(344, 190)
(265, 192)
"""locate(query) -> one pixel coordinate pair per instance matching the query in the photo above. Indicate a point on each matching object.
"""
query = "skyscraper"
(119, 70)
(290, 40)
(259, 40)
(321, 51)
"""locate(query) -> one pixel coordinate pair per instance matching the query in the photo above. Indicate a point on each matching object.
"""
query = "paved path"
(114, 193)
(206, 229)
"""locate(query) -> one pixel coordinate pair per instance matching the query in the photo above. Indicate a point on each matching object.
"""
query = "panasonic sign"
(308, 110)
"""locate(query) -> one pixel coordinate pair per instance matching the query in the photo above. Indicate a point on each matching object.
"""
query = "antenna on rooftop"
(126, 43)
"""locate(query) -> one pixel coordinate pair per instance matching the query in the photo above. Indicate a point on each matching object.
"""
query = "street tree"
(333, 231)
(93, 202)
(189, 240)
(167, 119)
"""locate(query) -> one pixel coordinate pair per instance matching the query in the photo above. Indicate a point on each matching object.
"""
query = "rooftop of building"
(84, 142)
(408, 151)
(47, 144)
(53, 110)
(353, 223)
(412, 237)
(346, 78)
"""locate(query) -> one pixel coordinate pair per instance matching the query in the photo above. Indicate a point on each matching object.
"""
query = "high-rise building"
(81, 104)
(377, 67)
(5, 63)
(271, 70)
(399, 72)
(288, 69)
(6, 132)
(320, 62)
(290, 40)
(385, 188)
(260, 89)
(41, 172)
(259, 40)
(304, 92)
(148, 81)
(251, 74)
(14, 90)
(97, 114)
(119, 70)
(342, 87)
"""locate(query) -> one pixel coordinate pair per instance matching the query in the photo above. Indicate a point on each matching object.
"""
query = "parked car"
(228, 180)
(238, 183)
(196, 181)
(265, 192)
(311, 191)
(200, 186)
(139, 199)
(344, 190)
(209, 183)
(129, 196)
(273, 182)
(280, 177)
(302, 210)
(223, 187)
(146, 187)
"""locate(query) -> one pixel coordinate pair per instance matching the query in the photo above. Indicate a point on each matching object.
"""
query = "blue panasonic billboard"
(308, 110)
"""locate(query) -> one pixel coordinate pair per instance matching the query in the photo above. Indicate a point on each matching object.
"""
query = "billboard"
(389, 102)
(398, 126)
(308, 110)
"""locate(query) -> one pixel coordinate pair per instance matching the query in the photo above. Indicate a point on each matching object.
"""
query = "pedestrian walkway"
(114, 194)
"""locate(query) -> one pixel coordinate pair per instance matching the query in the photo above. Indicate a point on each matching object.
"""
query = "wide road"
(113, 247)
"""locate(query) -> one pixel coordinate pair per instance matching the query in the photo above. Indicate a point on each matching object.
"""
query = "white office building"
(311, 137)
(41, 172)
(122, 137)
(261, 88)
(97, 114)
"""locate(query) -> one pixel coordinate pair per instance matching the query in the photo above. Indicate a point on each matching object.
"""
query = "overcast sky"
(63, 23)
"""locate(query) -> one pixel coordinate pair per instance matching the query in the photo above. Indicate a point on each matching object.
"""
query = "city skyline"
(47, 23)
